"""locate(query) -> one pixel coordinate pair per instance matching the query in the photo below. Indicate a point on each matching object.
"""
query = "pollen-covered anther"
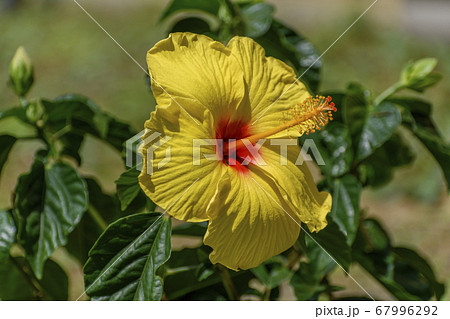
(311, 115)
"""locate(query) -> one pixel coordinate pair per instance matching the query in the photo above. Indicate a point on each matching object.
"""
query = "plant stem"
(61, 132)
(388, 92)
(97, 217)
(267, 294)
(23, 101)
(228, 283)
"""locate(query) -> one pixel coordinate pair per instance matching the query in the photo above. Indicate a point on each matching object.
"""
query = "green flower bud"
(35, 111)
(418, 75)
(21, 73)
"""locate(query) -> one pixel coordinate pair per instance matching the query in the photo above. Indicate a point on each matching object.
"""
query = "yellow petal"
(195, 72)
(247, 226)
(292, 176)
(175, 183)
(272, 85)
(257, 215)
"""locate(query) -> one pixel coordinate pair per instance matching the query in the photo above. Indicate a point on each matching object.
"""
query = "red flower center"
(228, 131)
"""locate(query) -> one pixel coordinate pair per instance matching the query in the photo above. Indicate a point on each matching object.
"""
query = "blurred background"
(71, 54)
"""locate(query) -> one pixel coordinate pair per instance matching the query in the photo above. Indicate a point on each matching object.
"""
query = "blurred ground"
(71, 54)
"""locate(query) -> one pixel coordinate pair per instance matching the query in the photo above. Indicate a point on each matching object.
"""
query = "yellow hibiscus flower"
(254, 203)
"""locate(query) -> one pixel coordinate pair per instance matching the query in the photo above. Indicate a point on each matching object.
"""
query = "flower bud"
(35, 111)
(21, 73)
(418, 75)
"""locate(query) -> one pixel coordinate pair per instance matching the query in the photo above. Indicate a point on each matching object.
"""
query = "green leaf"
(50, 201)
(345, 209)
(416, 116)
(381, 122)
(7, 233)
(190, 229)
(79, 115)
(333, 241)
(336, 149)
(417, 75)
(401, 271)
(85, 234)
(257, 18)
(420, 265)
(15, 286)
(309, 281)
(285, 44)
(376, 236)
(437, 147)
(306, 284)
(6, 144)
(54, 281)
(126, 260)
(370, 125)
(191, 276)
(128, 187)
(208, 6)
(272, 273)
(17, 112)
(194, 25)
(378, 168)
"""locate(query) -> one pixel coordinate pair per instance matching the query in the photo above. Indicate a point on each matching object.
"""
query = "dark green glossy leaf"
(320, 263)
(6, 144)
(208, 6)
(420, 265)
(7, 233)
(272, 273)
(191, 276)
(125, 262)
(54, 281)
(381, 122)
(401, 271)
(128, 187)
(191, 229)
(376, 237)
(416, 116)
(370, 125)
(257, 18)
(15, 286)
(334, 242)
(194, 25)
(378, 168)
(345, 209)
(306, 284)
(76, 115)
(437, 147)
(50, 201)
(336, 149)
(285, 44)
(86, 233)
(308, 280)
